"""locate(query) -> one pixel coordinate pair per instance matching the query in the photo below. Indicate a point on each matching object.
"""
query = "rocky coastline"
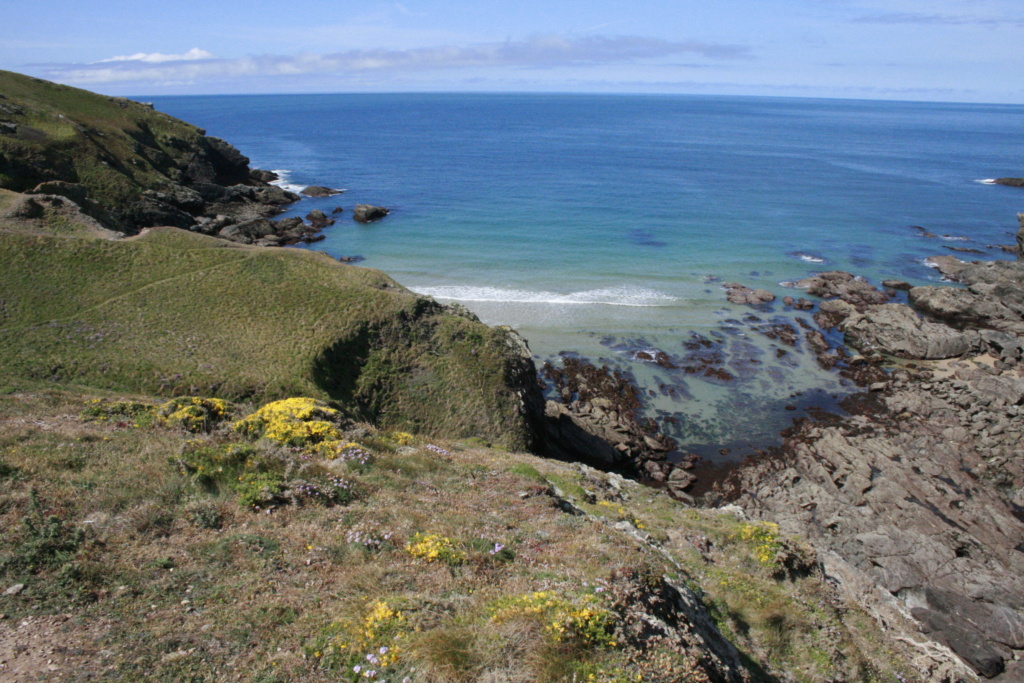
(127, 167)
(914, 501)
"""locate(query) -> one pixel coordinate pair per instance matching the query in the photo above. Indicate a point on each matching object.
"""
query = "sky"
(932, 50)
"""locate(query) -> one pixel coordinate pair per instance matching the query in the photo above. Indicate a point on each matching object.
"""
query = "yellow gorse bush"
(194, 413)
(403, 438)
(434, 548)
(584, 621)
(381, 625)
(329, 450)
(764, 537)
(292, 422)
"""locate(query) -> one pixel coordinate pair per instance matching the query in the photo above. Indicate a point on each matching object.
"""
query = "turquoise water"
(592, 223)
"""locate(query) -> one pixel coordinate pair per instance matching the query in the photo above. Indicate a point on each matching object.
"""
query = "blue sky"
(940, 50)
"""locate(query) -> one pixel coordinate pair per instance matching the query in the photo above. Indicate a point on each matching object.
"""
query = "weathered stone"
(845, 286)
(248, 232)
(895, 329)
(320, 191)
(367, 213)
(743, 295)
(318, 219)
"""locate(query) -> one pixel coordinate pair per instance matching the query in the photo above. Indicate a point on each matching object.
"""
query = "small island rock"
(320, 191)
(367, 213)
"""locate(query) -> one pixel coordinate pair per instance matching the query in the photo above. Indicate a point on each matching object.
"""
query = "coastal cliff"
(222, 460)
(129, 167)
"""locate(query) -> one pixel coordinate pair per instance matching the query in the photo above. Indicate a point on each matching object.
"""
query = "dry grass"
(172, 583)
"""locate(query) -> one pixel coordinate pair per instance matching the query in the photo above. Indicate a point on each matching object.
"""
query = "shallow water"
(592, 223)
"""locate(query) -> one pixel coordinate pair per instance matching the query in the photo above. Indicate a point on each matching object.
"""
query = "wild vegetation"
(151, 548)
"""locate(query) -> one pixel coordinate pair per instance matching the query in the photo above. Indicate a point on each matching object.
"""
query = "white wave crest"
(986, 181)
(284, 177)
(609, 296)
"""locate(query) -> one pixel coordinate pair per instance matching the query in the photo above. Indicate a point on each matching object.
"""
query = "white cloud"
(159, 58)
(540, 52)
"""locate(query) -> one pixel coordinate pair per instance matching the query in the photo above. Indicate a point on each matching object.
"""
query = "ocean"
(604, 225)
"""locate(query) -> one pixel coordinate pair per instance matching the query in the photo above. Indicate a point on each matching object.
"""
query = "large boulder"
(367, 213)
(248, 232)
(275, 196)
(318, 219)
(896, 330)
(320, 191)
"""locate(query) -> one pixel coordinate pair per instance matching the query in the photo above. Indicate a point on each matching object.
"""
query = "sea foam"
(284, 181)
(608, 296)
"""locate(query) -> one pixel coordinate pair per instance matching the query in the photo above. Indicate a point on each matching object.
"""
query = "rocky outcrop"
(1020, 237)
(597, 420)
(1010, 182)
(743, 295)
(918, 493)
(318, 219)
(42, 211)
(124, 164)
(896, 330)
(845, 286)
(994, 297)
(367, 213)
(320, 191)
(921, 498)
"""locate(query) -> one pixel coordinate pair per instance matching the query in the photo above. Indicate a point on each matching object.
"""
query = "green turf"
(173, 312)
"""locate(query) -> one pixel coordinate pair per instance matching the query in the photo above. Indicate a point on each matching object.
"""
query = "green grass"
(172, 313)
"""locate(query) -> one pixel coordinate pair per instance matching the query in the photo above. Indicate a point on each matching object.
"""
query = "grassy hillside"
(136, 550)
(172, 312)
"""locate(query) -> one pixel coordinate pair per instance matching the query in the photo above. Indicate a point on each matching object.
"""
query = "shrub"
(259, 489)
(104, 410)
(435, 548)
(48, 541)
(298, 422)
(764, 538)
(257, 479)
(582, 621)
(195, 414)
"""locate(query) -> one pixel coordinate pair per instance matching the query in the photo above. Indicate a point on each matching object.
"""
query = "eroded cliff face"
(915, 502)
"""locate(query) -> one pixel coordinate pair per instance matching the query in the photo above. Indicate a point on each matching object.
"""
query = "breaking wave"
(608, 296)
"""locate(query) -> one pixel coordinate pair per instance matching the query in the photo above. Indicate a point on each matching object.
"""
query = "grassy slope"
(173, 312)
(113, 146)
(142, 573)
